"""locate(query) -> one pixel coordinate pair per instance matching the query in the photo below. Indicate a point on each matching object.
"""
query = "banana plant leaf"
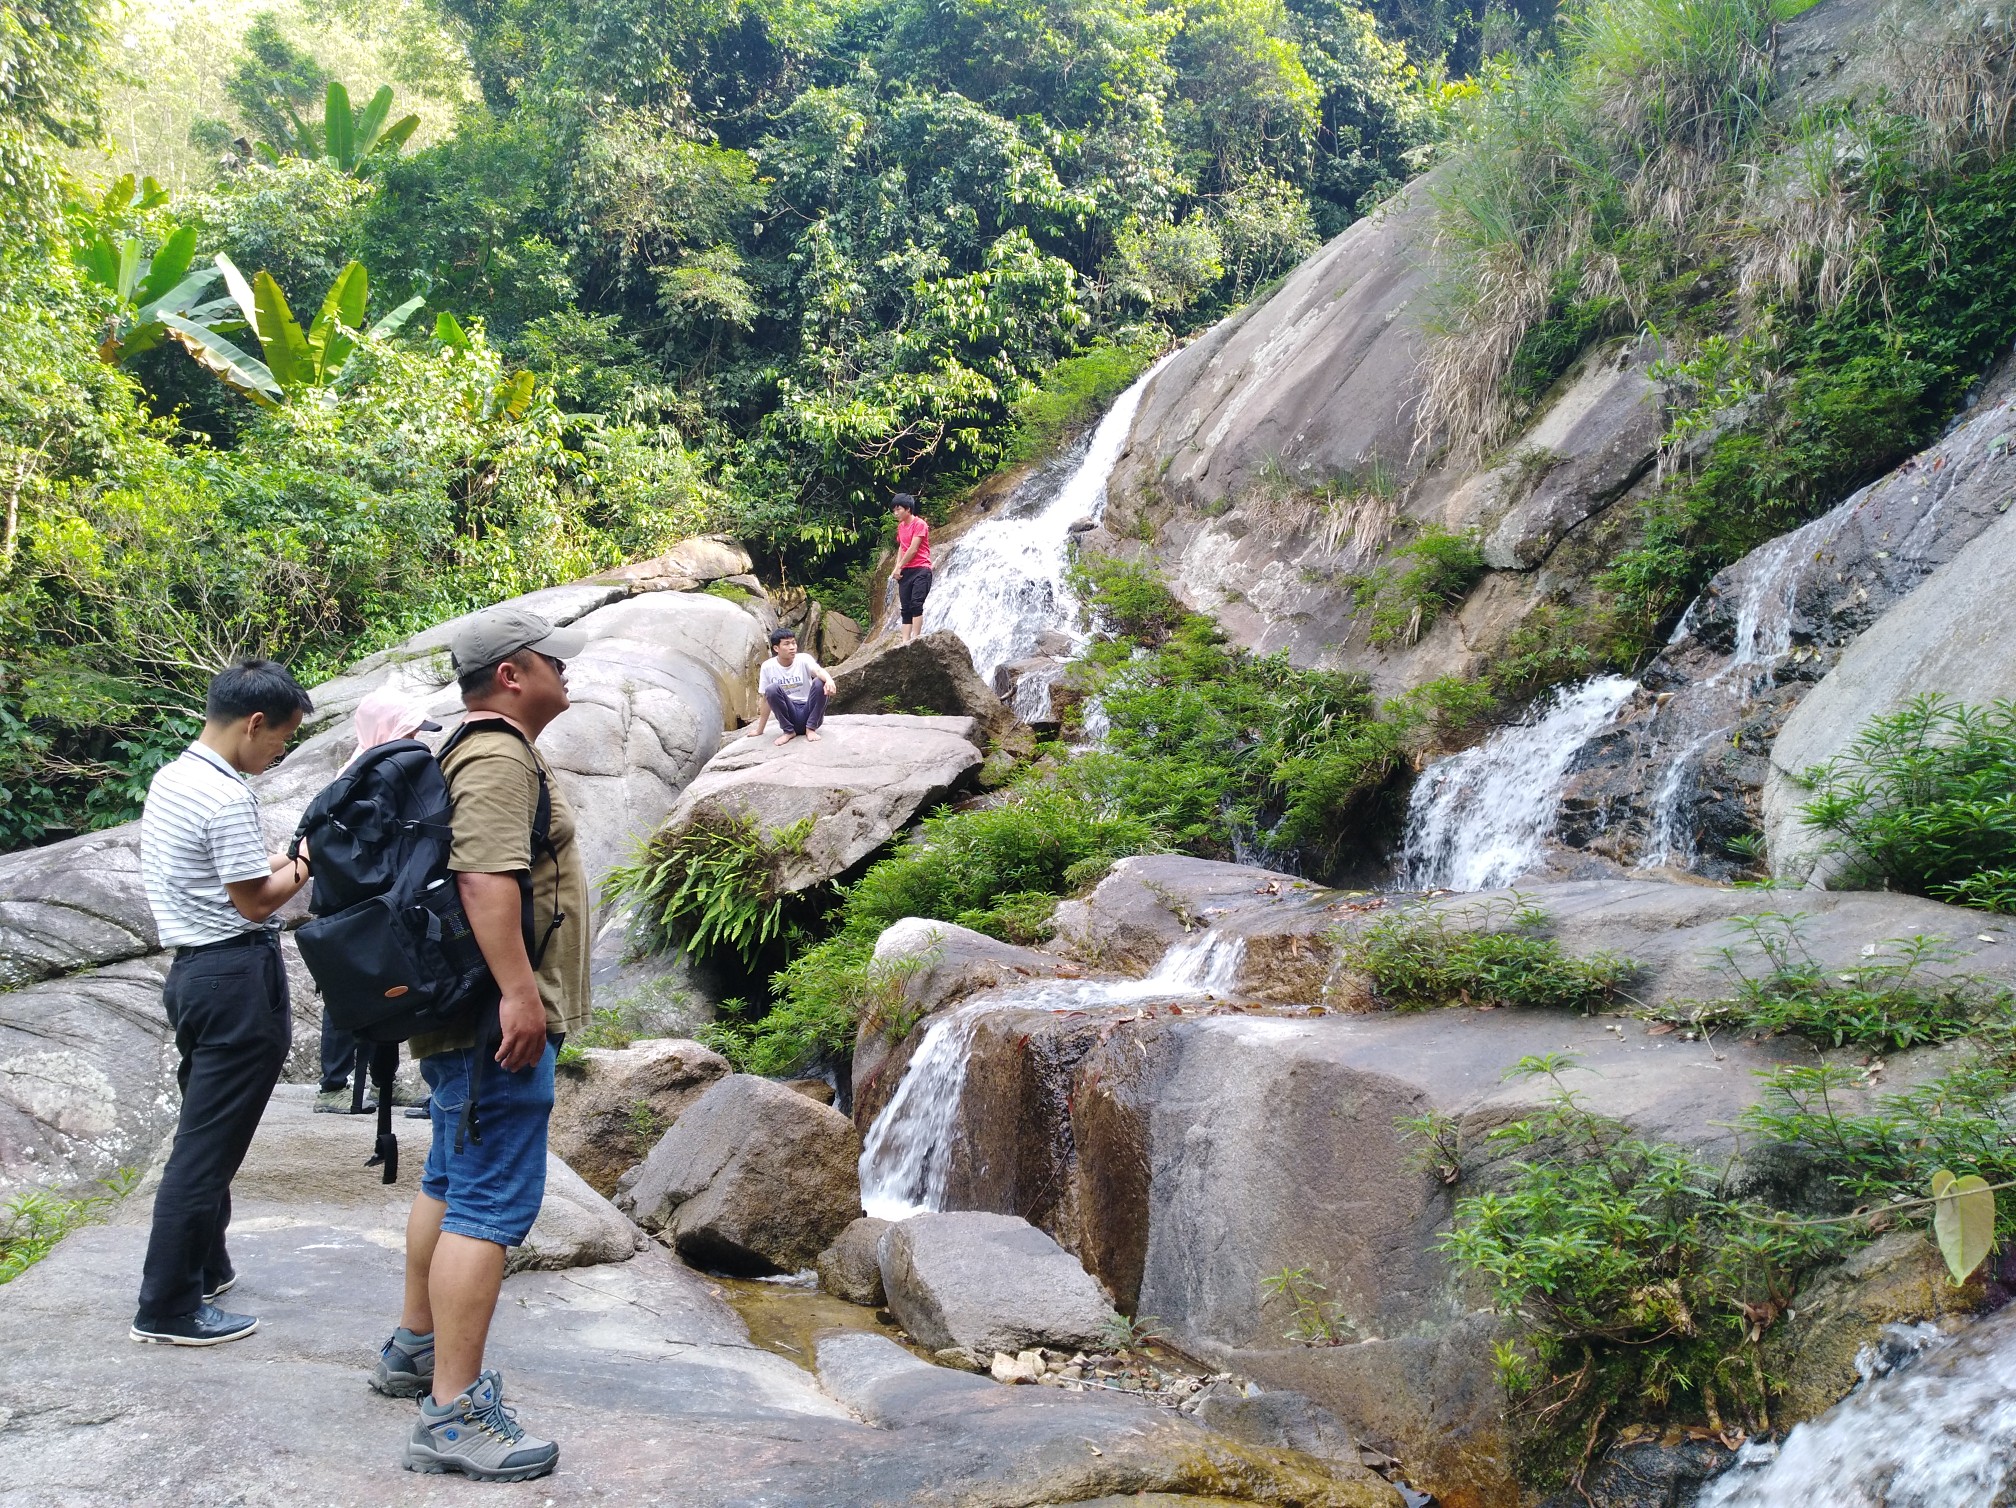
(247, 374)
(396, 320)
(371, 121)
(180, 299)
(448, 330)
(280, 336)
(130, 264)
(339, 127)
(328, 343)
(99, 261)
(169, 266)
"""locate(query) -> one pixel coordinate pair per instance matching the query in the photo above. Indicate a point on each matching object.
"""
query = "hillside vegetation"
(742, 267)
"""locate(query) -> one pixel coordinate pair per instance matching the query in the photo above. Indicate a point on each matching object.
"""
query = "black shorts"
(913, 585)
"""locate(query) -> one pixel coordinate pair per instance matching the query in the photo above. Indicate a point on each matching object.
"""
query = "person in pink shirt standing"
(913, 563)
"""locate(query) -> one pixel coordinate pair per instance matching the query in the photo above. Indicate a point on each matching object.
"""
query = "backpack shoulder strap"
(542, 825)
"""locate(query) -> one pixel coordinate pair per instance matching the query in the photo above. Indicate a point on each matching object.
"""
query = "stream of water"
(1480, 819)
(909, 1148)
(1938, 1433)
(1000, 585)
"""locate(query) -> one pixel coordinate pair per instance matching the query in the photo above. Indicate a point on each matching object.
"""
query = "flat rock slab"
(973, 1284)
(861, 784)
(643, 1374)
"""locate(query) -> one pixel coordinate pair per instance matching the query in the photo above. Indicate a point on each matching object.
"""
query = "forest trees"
(744, 265)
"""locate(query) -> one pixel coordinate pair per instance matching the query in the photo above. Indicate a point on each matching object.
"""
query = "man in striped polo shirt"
(214, 890)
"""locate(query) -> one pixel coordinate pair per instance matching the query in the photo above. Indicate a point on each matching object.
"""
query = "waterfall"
(1939, 1432)
(1000, 585)
(907, 1154)
(1670, 841)
(1480, 819)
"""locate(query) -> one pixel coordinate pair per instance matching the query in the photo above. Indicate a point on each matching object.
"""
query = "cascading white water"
(1939, 1433)
(907, 1154)
(1670, 841)
(1000, 585)
(1480, 819)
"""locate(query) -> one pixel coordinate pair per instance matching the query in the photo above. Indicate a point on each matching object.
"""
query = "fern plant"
(713, 886)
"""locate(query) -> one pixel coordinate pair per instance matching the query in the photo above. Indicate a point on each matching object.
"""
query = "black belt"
(242, 940)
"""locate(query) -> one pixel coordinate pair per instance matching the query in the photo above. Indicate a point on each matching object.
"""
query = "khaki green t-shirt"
(493, 783)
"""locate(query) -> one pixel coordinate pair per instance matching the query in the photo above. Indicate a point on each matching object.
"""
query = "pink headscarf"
(385, 715)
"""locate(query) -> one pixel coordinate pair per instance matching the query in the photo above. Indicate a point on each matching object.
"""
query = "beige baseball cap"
(497, 633)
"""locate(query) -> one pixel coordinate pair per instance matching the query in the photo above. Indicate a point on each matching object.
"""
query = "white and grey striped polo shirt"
(199, 831)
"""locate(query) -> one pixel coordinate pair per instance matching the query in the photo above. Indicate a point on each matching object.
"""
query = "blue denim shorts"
(493, 1187)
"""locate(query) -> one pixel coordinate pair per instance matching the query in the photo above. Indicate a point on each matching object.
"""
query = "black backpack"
(389, 943)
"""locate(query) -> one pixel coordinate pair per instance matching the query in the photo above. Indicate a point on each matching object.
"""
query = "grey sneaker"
(477, 1436)
(405, 1365)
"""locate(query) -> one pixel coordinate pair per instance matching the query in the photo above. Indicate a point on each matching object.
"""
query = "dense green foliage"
(1924, 801)
(1209, 751)
(743, 268)
(1634, 1271)
(1495, 953)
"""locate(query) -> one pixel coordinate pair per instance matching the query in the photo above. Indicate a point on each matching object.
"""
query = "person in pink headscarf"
(379, 719)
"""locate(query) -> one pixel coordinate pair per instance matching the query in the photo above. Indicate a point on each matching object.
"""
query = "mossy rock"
(1897, 1279)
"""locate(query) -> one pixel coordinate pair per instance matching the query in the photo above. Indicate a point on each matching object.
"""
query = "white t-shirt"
(794, 680)
(199, 832)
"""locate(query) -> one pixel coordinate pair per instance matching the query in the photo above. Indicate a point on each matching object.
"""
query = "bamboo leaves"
(1963, 1220)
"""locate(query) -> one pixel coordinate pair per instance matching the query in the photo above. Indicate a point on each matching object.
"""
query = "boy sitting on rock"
(795, 687)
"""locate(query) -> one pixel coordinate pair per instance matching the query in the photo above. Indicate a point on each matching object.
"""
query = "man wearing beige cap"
(527, 903)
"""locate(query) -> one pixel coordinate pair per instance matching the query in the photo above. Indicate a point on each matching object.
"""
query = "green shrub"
(1923, 801)
(1489, 954)
(713, 886)
(1074, 392)
(34, 1220)
(1403, 604)
(1633, 1272)
(1126, 598)
(1891, 1000)
(1887, 1150)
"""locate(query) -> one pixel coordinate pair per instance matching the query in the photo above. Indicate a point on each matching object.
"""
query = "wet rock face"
(1647, 1474)
(611, 1105)
(1684, 769)
(947, 963)
(1819, 1352)
(1185, 1154)
(751, 1179)
(969, 1285)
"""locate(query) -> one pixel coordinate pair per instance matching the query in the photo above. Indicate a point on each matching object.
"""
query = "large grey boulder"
(752, 1178)
(861, 784)
(610, 1105)
(1952, 637)
(971, 1284)
(576, 1227)
(931, 673)
(663, 674)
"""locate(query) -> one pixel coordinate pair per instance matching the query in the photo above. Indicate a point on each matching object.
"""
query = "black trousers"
(339, 1053)
(913, 585)
(799, 717)
(230, 1013)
